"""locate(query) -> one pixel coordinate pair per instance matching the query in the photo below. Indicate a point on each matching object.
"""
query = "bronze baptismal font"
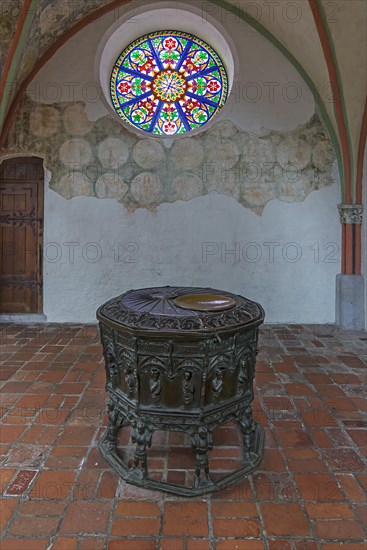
(180, 359)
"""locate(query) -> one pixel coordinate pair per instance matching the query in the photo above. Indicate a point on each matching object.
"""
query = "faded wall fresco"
(50, 21)
(9, 15)
(106, 160)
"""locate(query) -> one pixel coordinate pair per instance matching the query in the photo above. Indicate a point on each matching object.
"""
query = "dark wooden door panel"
(21, 223)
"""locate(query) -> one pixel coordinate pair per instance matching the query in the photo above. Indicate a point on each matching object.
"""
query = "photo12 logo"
(266, 12)
(269, 252)
(91, 252)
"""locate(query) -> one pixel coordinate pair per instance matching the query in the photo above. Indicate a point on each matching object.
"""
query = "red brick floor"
(309, 492)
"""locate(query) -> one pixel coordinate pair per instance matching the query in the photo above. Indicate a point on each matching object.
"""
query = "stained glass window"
(168, 83)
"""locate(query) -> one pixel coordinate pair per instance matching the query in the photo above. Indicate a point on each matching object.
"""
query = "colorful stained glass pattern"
(168, 83)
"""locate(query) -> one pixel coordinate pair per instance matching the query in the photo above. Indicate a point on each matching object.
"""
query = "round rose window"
(168, 83)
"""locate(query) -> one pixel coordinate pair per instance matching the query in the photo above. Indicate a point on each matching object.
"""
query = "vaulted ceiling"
(325, 40)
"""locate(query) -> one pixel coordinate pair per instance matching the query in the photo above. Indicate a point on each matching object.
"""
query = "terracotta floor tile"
(86, 517)
(32, 402)
(193, 519)
(329, 390)
(319, 487)
(352, 361)
(15, 387)
(53, 415)
(319, 379)
(70, 388)
(286, 366)
(234, 509)
(95, 543)
(238, 492)
(270, 441)
(92, 543)
(21, 482)
(226, 436)
(35, 507)
(279, 545)
(339, 404)
(137, 509)
(22, 526)
(108, 485)
(198, 544)
(133, 544)
(329, 510)
(284, 487)
(30, 456)
(339, 529)
(4, 449)
(285, 520)
(361, 510)
(135, 526)
(293, 438)
(307, 465)
(86, 485)
(7, 400)
(95, 459)
(352, 489)
(53, 406)
(65, 543)
(236, 527)
(18, 417)
(32, 544)
(358, 436)
(346, 546)
(319, 418)
(7, 506)
(287, 423)
(305, 545)
(263, 485)
(5, 476)
(64, 462)
(181, 457)
(76, 436)
(41, 435)
(53, 484)
(360, 403)
(127, 491)
(239, 544)
(277, 403)
(173, 543)
(339, 437)
(321, 438)
(299, 389)
(10, 434)
(272, 461)
(345, 460)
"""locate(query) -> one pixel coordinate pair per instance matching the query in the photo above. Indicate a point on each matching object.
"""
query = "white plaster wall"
(169, 249)
(292, 23)
(169, 243)
(267, 91)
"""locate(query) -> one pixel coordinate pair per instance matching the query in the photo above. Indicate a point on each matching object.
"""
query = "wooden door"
(21, 235)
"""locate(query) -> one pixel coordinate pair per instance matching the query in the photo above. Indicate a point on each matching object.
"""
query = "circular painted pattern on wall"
(168, 83)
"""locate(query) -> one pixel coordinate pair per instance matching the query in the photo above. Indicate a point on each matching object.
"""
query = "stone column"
(350, 286)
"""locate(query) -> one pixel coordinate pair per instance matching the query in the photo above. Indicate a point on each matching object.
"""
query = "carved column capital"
(350, 213)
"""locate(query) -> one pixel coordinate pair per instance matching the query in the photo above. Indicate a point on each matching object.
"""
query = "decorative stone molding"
(350, 213)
